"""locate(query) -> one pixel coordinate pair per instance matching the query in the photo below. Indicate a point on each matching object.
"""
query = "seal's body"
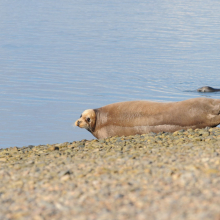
(207, 89)
(139, 117)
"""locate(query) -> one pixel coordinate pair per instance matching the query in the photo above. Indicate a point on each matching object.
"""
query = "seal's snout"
(77, 123)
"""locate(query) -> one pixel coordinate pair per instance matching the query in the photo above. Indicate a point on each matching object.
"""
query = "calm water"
(58, 58)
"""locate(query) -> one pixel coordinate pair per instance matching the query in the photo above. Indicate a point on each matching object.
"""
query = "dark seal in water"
(207, 89)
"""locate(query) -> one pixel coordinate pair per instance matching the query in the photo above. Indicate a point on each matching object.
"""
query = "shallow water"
(58, 58)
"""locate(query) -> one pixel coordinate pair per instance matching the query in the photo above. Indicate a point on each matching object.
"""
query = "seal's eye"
(88, 119)
(80, 116)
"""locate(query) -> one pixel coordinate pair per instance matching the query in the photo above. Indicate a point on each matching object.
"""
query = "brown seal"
(207, 89)
(139, 117)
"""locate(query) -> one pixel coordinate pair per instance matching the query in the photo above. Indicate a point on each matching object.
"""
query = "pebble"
(147, 176)
(3, 159)
(53, 148)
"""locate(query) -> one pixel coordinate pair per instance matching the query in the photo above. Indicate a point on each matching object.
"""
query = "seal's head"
(87, 120)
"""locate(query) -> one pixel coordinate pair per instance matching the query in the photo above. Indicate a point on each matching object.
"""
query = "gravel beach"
(152, 176)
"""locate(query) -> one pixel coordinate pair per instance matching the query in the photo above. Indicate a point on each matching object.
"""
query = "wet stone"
(31, 146)
(81, 146)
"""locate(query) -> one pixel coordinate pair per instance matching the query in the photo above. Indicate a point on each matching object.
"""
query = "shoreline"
(161, 176)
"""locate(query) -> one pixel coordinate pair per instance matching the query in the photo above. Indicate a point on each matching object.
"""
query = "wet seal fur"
(139, 117)
(208, 89)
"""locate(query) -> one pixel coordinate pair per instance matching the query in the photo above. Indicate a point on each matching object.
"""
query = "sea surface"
(58, 58)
